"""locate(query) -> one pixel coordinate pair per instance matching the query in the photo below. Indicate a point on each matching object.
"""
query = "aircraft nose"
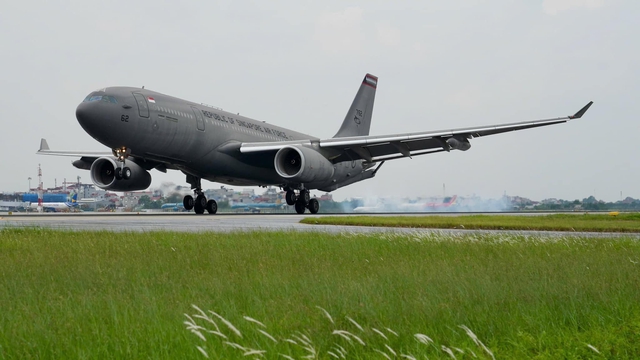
(94, 119)
(85, 117)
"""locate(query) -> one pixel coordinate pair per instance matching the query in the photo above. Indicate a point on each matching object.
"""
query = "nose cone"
(89, 118)
(100, 121)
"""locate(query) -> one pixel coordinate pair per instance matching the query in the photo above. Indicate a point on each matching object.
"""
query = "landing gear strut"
(123, 172)
(200, 204)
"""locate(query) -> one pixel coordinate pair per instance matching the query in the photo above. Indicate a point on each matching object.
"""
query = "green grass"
(624, 222)
(124, 295)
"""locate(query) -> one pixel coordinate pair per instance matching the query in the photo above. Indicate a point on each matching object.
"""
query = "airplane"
(148, 130)
(56, 206)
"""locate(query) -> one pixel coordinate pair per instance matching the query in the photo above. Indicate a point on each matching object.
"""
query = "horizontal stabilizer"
(43, 145)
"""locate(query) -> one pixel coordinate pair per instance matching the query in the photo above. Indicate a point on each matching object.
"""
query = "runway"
(188, 222)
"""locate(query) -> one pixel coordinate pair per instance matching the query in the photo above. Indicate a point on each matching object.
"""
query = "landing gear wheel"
(126, 173)
(305, 196)
(300, 207)
(200, 205)
(314, 206)
(212, 207)
(118, 174)
(290, 196)
(188, 202)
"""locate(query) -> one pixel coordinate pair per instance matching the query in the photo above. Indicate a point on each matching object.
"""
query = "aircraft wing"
(388, 147)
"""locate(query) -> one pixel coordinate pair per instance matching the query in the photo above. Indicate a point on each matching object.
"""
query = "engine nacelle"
(461, 144)
(302, 165)
(103, 174)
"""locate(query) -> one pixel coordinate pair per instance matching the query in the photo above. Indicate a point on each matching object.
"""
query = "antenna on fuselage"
(143, 86)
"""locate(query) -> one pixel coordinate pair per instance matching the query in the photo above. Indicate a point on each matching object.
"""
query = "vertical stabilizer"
(358, 119)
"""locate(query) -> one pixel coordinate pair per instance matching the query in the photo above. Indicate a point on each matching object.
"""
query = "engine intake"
(302, 165)
(103, 175)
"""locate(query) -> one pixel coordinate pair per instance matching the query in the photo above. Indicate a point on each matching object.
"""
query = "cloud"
(340, 31)
(553, 7)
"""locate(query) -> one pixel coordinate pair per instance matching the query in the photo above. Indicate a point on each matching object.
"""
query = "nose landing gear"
(123, 172)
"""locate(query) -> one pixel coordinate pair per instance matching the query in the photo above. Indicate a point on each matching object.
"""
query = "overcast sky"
(298, 64)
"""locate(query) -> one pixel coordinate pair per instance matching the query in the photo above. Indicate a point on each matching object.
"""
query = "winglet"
(43, 145)
(581, 112)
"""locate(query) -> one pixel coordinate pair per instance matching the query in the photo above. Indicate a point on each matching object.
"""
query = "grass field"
(624, 222)
(103, 295)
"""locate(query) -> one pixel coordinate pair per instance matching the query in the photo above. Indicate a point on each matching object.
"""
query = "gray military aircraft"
(147, 130)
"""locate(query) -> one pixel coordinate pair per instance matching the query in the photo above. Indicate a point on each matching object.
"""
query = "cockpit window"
(108, 98)
(104, 98)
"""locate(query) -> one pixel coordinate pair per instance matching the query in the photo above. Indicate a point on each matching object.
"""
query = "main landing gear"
(122, 172)
(302, 201)
(200, 203)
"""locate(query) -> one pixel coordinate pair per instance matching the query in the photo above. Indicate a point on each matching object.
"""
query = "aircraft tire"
(126, 173)
(118, 173)
(305, 196)
(290, 196)
(314, 206)
(200, 205)
(212, 207)
(188, 202)
(300, 207)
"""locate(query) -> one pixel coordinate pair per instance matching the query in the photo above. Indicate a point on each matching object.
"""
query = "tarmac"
(189, 222)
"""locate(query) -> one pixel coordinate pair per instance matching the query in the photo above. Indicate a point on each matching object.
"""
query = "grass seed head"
(268, 335)
(383, 353)
(250, 352)
(355, 323)
(390, 350)
(423, 339)
(326, 313)
(593, 348)
(380, 333)
(202, 351)
(228, 323)
(476, 340)
(448, 351)
(250, 319)
(235, 346)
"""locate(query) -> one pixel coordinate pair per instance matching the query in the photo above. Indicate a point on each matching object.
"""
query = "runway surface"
(188, 222)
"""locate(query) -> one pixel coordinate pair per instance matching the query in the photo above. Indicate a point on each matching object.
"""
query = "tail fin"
(358, 119)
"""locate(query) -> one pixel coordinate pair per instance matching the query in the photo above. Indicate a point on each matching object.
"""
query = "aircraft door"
(143, 107)
(199, 118)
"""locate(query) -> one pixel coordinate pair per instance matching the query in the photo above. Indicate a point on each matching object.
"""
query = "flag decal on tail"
(370, 80)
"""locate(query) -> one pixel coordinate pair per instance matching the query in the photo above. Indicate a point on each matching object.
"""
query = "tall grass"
(115, 295)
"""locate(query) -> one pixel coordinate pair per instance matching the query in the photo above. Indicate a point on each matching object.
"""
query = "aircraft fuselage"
(197, 139)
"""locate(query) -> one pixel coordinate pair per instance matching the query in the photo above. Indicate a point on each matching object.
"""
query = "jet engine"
(103, 174)
(302, 165)
(461, 144)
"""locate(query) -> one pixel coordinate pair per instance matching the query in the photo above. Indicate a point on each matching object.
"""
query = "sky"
(298, 64)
